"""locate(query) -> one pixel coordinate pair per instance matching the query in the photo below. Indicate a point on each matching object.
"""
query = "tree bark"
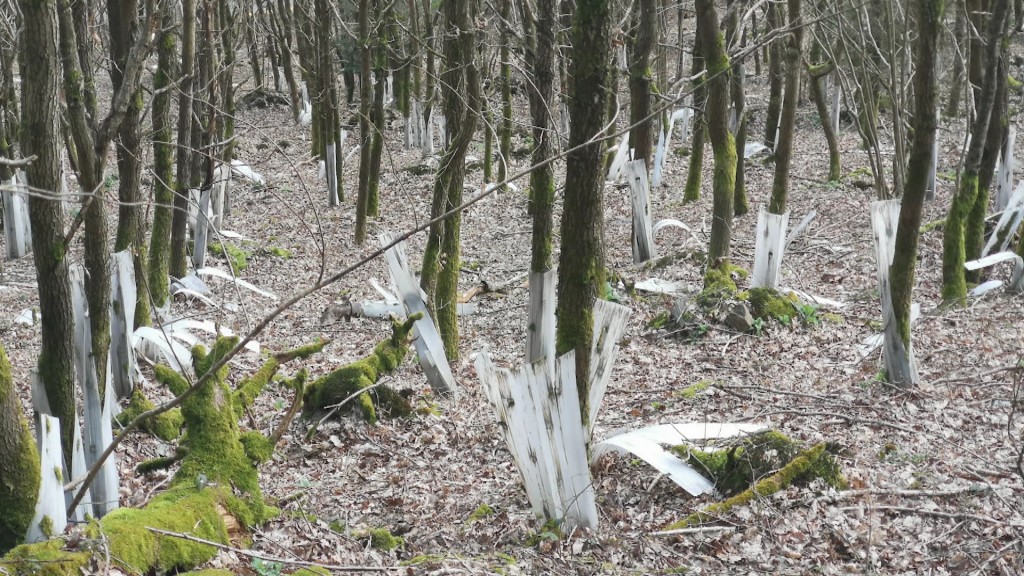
(183, 160)
(774, 21)
(365, 137)
(540, 53)
(696, 170)
(580, 267)
(640, 80)
(784, 150)
(40, 69)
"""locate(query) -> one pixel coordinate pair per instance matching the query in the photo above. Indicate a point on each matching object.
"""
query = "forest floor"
(931, 470)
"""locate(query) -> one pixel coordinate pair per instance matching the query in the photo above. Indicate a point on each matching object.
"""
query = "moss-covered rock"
(360, 375)
(382, 539)
(166, 426)
(769, 304)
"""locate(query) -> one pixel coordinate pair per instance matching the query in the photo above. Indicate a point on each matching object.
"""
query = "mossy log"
(349, 380)
(758, 466)
(214, 495)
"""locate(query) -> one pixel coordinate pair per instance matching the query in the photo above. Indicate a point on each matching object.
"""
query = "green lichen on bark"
(166, 426)
(758, 466)
(349, 380)
(19, 464)
(954, 252)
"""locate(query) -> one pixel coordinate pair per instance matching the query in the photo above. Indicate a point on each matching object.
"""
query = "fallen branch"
(251, 554)
(19, 163)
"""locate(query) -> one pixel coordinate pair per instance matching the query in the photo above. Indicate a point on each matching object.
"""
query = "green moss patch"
(236, 257)
(166, 426)
(757, 466)
(767, 303)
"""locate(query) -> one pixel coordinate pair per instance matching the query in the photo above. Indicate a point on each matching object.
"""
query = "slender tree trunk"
(774, 21)
(640, 80)
(815, 73)
(377, 128)
(717, 62)
(541, 59)
(463, 102)
(183, 177)
(954, 284)
(784, 150)
(901, 273)
(956, 83)
(580, 267)
(974, 230)
(700, 92)
(365, 135)
(131, 224)
(737, 93)
(251, 16)
(40, 72)
(163, 161)
(505, 131)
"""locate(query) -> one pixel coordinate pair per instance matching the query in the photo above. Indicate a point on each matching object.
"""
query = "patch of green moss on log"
(251, 387)
(757, 466)
(349, 380)
(47, 558)
(166, 426)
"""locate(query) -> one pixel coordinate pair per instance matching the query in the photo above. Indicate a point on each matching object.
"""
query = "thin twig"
(251, 554)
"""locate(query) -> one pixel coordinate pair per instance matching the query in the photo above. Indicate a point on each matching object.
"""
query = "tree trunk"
(580, 267)
(774, 22)
(163, 162)
(815, 73)
(737, 93)
(974, 229)
(700, 92)
(540, 54)
(462, 102)
(183, 177)
(784, 149)
(956, 83)
(40, 71)
(954, 283)
(365, 96)
(722, 143)
(505, 70)
(131, 223)
(901, 273)
(640, 80)
(19, 464)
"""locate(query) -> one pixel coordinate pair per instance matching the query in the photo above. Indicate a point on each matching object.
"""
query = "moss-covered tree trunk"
(540, 51)
(40, 71)
(774, 19)
(787, 125)
(954, 283)
(974, 229)
(640, 79)
(430, 72)
(462, 103)
(722, 142)
(19, 464)
(131, 222)
(700, 96)
(183, 157)
(901, 272)
(163, 161)
(580, 267)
